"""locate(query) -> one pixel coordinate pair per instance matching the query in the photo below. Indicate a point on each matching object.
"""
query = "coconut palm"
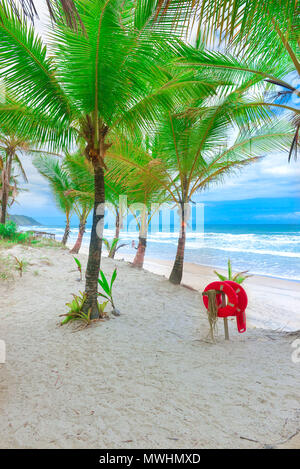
(80, 173)
(116, 77)
(11, 146)
(263, 40)
(60, 184)
(13, 187)
(192, 150)
(144, 196)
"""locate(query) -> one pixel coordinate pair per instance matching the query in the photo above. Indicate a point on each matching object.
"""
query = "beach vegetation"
(79, 267)
(113, 246)
(9, 232)
(239, 277)
(76, 312)
(107, 287)
(20, 265)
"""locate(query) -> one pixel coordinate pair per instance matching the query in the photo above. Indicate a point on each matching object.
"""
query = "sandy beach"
(149, 378)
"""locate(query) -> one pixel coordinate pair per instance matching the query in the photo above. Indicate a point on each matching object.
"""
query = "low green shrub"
(9, 232)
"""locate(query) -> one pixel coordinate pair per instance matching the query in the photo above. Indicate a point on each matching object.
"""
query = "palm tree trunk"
(117, 235)
(138, 261)
(5, 190)
(176, 274)
(4, 205)
(94, 260)
(67, 231)
(76, 248)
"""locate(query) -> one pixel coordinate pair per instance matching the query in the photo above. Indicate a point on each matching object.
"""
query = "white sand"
(147, 379)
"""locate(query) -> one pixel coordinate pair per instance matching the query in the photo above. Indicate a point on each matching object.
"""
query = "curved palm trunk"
(94, 260)
(176, 274)
(76, 248)
(117, 235)
(5, 190)
(67, 231)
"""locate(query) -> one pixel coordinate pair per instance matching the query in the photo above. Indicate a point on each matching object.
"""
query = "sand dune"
(148, 379)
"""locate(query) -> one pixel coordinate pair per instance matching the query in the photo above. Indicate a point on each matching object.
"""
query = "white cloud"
(279, 216)
(271, 177)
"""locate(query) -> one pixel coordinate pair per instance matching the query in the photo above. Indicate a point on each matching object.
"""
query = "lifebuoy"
(237, 301)
(232, 299)
(242, 305)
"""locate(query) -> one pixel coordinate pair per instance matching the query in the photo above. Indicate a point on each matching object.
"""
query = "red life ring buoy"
(241, 294)
(242, 305)
(232, 300)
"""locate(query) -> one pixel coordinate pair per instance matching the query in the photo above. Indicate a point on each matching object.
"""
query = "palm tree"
(11, 146)
(60, 184)
(263, 40)
(80, 173)
(191, 150)
(58, 10)
(13, 186)
(144, 195)
(114, 78)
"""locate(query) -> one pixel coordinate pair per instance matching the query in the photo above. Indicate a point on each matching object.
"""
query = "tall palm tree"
(116, 77)
(192, 150)
(13, 186)
(144, 196)
(60, 184)
(11, 145)
(80, 172)
(263, 41)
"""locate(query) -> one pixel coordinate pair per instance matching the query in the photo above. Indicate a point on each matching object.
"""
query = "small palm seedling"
(20, 265)
(113, 247)
(240, 277)
(76, 313)
(107, 288)
(79, 267)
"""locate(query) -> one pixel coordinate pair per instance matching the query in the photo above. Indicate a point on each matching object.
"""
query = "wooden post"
(226, 330)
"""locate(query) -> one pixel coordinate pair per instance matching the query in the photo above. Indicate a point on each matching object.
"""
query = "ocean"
(271, 250)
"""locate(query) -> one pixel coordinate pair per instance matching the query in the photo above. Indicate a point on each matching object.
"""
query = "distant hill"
(22, 220)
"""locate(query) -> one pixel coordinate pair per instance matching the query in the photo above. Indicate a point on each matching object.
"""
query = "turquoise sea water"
(272, 250)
